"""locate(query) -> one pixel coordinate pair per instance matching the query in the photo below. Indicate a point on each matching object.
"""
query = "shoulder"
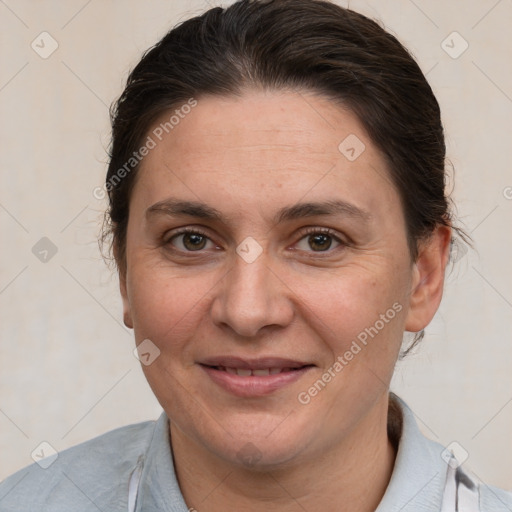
(86, 476)
(494, 499)
(424, 479)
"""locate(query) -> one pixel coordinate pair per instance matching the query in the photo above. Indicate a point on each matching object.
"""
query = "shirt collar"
(158, 489)
(416, 484)
(419, 475)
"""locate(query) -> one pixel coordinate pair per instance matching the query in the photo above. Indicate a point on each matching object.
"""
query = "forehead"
(274, 144)
(258, 121)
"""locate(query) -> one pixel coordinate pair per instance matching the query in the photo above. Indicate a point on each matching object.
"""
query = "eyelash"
(323, 231)
(303, 234)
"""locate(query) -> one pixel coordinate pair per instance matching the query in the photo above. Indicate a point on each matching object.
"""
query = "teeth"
(244, 372)
(247, 372)
(261, 373)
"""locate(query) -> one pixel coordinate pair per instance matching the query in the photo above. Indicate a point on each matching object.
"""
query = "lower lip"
(253, 385)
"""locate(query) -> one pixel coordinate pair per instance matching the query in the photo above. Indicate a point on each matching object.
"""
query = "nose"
(252, 298)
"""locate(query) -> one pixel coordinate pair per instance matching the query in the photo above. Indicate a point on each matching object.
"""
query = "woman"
(279, 221)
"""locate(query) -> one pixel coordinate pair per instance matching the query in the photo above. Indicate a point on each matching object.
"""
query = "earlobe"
(127, 315)
(428, 279)
(119, 258)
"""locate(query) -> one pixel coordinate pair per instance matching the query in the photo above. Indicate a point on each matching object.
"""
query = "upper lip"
(260, 363)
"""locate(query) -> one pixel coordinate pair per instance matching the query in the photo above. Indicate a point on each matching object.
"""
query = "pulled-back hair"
(297, 45)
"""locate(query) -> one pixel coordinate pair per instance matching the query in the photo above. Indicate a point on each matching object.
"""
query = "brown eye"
(319, 240)
(189, 241)
(194, 241)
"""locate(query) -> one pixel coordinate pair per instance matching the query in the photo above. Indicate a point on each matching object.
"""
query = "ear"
(121, 265)
(127, 314)
(428, 279)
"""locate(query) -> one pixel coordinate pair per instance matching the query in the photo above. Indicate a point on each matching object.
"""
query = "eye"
(319, 240)
(189, 240)
(313, 240)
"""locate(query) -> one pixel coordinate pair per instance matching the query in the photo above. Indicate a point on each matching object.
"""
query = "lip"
(253, 385)
(256, 364)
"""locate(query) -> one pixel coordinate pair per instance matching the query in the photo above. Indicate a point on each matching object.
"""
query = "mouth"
(253, 377)
(262, 372)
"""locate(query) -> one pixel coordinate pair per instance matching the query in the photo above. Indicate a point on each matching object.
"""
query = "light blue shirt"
(131, 469)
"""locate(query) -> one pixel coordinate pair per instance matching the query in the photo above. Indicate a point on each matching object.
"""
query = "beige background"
(67, 372)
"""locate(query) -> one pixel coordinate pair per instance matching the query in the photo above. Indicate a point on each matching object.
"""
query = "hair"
(298, 45)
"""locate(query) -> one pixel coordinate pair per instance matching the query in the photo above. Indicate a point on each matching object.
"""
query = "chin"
(262, 454)
(258, 441)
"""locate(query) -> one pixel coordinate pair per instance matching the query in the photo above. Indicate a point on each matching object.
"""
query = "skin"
(248, 157)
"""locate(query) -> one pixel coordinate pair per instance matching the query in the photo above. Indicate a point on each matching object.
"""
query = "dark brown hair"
(294, 45)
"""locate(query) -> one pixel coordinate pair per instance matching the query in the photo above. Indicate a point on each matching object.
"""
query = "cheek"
(359, 317)
(169, 311)
(351, 300)
(166, 307)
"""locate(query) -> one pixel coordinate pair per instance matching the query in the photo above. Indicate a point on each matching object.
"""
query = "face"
(267, 263)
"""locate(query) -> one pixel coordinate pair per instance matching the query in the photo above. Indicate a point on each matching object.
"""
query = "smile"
(253, 378)
(248, 372)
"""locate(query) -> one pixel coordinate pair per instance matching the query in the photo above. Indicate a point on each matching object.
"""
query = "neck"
(351, 476)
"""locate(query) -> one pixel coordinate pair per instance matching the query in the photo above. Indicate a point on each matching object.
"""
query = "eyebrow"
(177, 207)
